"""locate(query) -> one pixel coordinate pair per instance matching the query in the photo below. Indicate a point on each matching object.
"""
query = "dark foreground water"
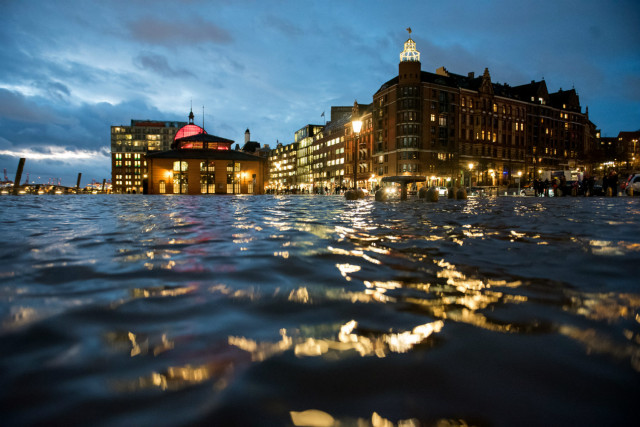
(303, 310)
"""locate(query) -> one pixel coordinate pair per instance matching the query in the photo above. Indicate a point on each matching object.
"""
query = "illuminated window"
(179, 166)
(433, 117)
(495, 108)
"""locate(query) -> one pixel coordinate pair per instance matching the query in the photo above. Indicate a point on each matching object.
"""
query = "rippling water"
(311, 310)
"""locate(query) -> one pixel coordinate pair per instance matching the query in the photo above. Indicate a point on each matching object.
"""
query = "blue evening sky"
(71, 69)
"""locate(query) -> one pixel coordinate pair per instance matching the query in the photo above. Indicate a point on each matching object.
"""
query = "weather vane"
(409, 29)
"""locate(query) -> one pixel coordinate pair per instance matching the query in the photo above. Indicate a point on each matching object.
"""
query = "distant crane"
(6, 178)
(27, 180)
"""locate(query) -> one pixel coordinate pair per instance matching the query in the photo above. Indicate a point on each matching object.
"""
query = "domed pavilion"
(201, 163)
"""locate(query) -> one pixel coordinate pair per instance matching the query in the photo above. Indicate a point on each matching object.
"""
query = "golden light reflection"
(348, 340)
(138, 345)
(282, 254)
(608, 248)
(179, 377)
(609, 307)
(262, 351)
(161, 291)
(21, 316)
(318, 418)
(599, 343)
(354, 252)
(346, 269)
(300, 295)
(604, 247)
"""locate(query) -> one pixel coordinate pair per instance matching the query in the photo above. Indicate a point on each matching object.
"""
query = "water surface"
(312, 310)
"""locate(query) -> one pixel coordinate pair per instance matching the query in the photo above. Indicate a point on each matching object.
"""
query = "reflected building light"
(348, 340)
(178, 377)
(262, 351)
(603, 247)
(161, 291)
(317, 418)
(300, 295)
(598, 343)
(346, 269)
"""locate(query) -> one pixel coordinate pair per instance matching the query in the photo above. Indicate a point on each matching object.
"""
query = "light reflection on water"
(301, 309)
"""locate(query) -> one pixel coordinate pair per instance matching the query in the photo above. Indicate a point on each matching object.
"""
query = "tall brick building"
(448, 126)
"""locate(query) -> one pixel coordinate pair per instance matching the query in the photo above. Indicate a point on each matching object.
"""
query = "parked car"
(632, 182)
(527, 190)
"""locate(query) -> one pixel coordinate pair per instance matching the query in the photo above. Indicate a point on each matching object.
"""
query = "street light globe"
(470, 165)
(519, 173)
(357, 125)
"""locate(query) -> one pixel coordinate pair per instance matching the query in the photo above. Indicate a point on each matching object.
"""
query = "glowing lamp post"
(357, 126)
(519, 176)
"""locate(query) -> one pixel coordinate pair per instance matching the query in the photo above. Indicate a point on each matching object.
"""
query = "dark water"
(132, 310)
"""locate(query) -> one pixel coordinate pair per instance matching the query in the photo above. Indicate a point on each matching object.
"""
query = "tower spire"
(409, 54)
(191, 114)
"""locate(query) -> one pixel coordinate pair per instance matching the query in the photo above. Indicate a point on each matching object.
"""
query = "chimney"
(472, 75)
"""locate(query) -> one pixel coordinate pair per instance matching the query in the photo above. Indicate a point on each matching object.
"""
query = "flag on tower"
(409, 29)
(322, 115)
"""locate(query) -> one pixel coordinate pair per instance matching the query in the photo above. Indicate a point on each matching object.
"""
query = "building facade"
(452, 129)
(282, 168)
(465, 128)
(201, 163)
(129, 148)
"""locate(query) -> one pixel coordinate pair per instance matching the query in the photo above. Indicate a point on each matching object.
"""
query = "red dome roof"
(189, 130)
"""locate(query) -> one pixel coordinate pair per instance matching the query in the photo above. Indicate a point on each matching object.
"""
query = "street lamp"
(356, 124)
(470, 169)
(519, 176)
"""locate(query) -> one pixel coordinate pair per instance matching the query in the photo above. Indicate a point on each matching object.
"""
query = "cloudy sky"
(71, 69)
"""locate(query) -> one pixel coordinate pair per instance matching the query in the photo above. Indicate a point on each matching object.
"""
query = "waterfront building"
(304, 160)
(201, 163)
(328, 163)
(359, 149)
(448, 126)
(129, 147)
(629, 142)
(282, 167)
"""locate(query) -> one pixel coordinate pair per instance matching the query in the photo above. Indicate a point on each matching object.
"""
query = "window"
(433, 117)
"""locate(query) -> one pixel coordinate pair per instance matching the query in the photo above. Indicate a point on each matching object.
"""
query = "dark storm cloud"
(15, 107)
(174, 32)
(159, 65)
